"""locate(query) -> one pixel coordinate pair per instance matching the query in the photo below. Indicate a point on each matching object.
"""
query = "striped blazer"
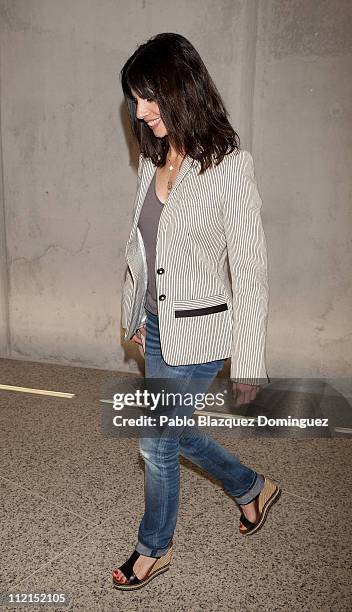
(210, 225)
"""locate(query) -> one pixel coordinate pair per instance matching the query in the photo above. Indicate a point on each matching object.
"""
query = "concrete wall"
(69, 168)
(303, 152)
(4, 293)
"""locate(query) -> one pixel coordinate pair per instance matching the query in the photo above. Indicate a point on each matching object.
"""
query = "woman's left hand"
(244, 394)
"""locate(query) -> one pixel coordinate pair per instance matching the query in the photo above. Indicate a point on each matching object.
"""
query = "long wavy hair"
(167, 69)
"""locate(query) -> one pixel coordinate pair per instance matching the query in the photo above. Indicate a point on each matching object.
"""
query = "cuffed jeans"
(161, 454)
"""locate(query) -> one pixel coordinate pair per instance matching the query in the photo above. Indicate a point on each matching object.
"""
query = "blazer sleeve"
(127, 288)
(126, 299)
(247, 254)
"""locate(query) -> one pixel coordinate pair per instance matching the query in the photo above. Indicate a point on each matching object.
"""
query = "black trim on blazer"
(195, 312)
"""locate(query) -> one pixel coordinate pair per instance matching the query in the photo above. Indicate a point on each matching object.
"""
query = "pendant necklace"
(169, 182)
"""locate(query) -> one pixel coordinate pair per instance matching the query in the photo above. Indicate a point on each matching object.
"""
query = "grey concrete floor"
(72, 499)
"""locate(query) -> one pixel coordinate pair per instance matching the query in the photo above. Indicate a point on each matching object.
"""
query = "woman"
(196, 205)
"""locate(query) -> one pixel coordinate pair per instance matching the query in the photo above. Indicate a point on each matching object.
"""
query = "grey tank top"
(148, 224)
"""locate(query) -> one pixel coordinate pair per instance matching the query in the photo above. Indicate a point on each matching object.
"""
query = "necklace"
(171, 167)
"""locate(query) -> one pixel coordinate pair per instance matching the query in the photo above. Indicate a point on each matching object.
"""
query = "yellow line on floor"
(37, 391)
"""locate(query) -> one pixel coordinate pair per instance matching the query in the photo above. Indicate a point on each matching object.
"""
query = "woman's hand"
(244, 394)
(137, 336)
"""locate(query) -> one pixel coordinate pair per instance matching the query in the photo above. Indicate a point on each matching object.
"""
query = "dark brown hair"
(168, 70)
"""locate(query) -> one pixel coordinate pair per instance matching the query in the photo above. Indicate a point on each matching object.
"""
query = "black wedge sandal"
(160, 566)
(267, 496)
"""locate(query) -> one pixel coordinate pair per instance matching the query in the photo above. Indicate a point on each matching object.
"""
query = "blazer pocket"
(201, 306)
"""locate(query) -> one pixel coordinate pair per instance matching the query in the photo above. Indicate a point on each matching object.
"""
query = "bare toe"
(119, 576)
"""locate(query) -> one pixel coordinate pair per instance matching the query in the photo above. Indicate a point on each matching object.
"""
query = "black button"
(160, 270)
(162, 297)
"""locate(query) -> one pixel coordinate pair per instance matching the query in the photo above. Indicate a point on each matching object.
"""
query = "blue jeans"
(161, 454)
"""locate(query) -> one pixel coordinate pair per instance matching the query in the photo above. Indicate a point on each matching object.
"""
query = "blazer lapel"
(147, 174)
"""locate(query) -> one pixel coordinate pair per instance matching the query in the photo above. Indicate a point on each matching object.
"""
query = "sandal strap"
(248, 524)
(127, 568)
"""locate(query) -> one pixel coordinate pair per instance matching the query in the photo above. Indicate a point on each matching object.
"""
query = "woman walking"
(197, 207)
